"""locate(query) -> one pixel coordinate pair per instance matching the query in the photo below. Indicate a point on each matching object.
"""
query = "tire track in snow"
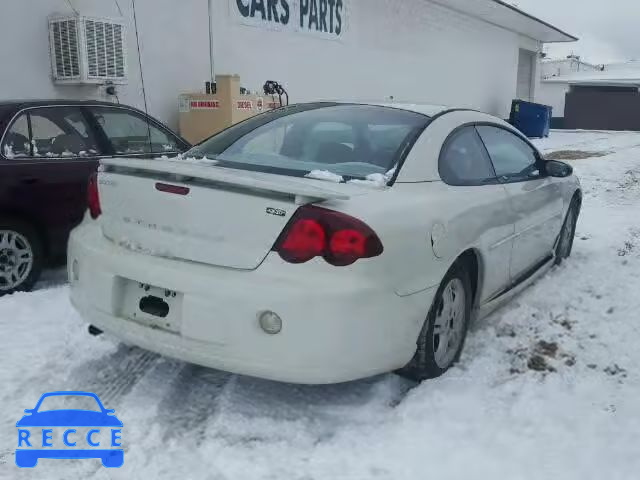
(193, 398)
(113, 376)
(248, 411)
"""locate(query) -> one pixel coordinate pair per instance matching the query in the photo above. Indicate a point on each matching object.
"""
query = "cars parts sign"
(321, 18)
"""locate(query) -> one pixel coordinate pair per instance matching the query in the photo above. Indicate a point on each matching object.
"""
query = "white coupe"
(322, 242)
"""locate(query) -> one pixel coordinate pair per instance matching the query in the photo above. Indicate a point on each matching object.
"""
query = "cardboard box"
(202, 115)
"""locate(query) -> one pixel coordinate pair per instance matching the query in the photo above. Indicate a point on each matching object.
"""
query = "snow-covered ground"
(548, 387)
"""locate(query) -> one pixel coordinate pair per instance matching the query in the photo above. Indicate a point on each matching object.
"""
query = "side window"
(50, 132)
(130, 133)
(16, 141)
(464, 160)
(512, 157)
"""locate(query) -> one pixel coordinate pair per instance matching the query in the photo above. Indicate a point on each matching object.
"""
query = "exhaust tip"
(95, 331)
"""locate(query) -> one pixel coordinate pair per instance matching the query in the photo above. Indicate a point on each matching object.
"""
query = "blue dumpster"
(532, 119)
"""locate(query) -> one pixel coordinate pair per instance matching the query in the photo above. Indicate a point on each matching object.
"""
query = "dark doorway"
(602, 108)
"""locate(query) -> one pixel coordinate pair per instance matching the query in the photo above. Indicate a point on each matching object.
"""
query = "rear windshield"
(350, 141)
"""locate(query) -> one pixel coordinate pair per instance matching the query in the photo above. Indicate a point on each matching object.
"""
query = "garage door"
(525, 75)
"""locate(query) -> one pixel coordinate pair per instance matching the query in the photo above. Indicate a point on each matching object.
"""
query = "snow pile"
(193, 160)
(325, 175)
(376, 180)
(547, 387)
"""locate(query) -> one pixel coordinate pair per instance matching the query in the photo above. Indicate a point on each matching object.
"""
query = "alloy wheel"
(449, 323)
(16, 259)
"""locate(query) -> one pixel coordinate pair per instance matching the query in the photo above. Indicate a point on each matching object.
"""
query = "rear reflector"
(176, 189)
(318, 232)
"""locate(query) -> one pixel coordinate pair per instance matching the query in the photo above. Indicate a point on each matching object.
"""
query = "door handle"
(29, 180)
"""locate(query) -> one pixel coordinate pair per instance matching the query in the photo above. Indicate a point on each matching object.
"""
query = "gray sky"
(608, 29)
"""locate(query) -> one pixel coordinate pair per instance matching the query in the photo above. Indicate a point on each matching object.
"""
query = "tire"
(567, 233)
(430, 361)
(21, 256)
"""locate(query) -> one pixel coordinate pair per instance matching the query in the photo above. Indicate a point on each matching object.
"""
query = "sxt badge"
(276, 211)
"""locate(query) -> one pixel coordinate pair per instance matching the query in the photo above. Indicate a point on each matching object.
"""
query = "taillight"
(93, 197)
(317, 232)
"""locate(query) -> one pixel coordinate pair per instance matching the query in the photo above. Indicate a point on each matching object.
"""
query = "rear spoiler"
(303, 190)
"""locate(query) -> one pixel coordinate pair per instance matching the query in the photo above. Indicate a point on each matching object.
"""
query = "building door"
(524, 90)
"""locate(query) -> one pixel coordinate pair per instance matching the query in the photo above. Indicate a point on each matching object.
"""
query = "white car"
(322, 242)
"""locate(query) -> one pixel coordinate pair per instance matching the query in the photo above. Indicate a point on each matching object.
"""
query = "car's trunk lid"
(228, 218)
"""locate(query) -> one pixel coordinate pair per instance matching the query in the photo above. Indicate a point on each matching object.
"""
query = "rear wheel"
(20, 256)
(568, 232)
(443, 335)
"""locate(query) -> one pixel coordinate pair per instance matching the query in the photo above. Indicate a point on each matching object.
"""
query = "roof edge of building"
(569, 37)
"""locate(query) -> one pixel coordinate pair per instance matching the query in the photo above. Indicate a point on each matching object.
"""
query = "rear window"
(352, 141)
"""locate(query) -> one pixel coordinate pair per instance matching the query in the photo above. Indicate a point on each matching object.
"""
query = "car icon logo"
(48, 431)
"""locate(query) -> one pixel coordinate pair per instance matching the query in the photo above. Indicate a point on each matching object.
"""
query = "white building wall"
(553, 94)
(174, 43)
(413, 50)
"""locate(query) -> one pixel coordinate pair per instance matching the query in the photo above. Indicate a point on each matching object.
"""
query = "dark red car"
(48, 150)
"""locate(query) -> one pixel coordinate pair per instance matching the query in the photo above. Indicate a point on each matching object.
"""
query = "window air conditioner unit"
(87, 50)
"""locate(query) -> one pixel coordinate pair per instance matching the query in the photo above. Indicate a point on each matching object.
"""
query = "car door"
(48, 154)
(131, 134)
(535, 198)
(487, 219)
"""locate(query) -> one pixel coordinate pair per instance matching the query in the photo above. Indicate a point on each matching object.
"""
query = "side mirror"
(28, 410)
(109, 411)
(557, 169)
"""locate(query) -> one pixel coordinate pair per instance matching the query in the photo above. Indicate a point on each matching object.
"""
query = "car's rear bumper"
(337, 326)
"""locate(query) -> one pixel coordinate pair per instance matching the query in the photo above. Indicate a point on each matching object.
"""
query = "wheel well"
(471, 261)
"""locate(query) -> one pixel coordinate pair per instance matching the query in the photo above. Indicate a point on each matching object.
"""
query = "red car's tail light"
(93, 197)
(318, 232)
(306, 239)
